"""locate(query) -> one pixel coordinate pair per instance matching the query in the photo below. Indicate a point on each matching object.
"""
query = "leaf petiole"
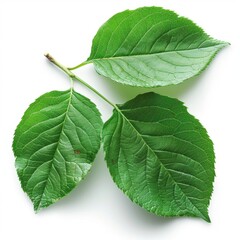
(73, 76)
(80, 65)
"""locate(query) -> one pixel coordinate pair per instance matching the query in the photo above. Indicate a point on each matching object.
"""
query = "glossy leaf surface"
(150, 47)
(55, 145)
(160, 156)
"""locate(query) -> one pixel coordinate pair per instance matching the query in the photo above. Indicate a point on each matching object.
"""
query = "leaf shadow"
(140, 217)
(126, 92)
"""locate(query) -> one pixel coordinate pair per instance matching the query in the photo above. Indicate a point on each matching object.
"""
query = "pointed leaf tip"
(150, 47)
(55, 145)
(160, 156)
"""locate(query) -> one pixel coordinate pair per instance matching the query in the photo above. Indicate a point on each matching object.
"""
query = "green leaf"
(55, 145)
(150, 47)
(160, 156)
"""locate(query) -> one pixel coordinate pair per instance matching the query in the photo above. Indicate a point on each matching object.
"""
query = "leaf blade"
(127, 47)
(55, 145)
(169, 175)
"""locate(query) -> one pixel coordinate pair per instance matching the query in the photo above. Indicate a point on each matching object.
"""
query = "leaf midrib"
(119, 111)
(221, 44)
(60, 134)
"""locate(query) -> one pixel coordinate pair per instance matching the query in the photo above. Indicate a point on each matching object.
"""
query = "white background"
(97, 209)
